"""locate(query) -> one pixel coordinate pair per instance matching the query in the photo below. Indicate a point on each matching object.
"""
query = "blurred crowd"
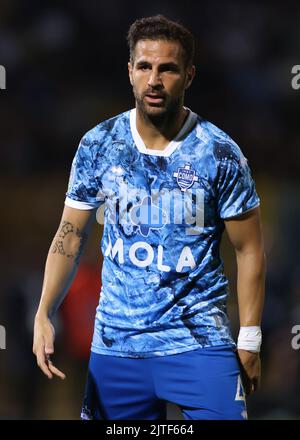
(66, 67)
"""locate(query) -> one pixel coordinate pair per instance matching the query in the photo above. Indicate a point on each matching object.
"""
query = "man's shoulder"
(115, 126)
(217, 141)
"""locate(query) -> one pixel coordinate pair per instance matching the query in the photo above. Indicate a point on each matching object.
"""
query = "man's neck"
(158, 137)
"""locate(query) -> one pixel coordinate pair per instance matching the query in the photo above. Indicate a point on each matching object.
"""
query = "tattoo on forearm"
(60, 245)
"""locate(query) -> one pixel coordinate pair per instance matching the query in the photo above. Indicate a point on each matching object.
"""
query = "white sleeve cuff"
(81, 205)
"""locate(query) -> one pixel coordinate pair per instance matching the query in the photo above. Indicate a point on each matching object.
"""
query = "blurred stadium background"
(66, 65)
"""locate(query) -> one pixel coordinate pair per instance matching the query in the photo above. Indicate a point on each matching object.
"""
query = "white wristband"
(250, 338)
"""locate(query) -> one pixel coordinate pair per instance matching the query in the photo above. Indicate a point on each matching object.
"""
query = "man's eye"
(170, 69)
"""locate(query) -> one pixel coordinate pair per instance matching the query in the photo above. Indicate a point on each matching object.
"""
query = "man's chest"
(152, 192)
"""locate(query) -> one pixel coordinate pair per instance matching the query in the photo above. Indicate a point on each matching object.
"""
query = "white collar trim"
(171, 147)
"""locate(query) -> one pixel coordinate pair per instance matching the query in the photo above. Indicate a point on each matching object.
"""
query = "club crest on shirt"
(185, 176)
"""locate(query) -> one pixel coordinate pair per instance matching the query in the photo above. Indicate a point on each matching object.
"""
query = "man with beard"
(171, 182)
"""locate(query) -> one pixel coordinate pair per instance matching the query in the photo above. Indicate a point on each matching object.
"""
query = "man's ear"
(190, 76)
(130, 72)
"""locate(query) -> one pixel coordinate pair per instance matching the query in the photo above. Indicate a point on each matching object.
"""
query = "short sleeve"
(236, 188)
(83, 189)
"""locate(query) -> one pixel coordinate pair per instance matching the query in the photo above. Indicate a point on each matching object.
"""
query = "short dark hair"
(159, 27)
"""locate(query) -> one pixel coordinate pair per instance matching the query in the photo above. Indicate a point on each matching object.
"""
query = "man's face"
(159, 76)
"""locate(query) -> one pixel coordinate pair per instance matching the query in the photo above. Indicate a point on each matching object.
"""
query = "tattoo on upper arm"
(60, 245)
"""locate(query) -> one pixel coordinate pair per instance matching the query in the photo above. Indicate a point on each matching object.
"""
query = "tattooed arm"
(66, 233)
(61, 266)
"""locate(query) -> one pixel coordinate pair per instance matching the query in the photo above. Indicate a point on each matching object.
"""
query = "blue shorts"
(204, 383)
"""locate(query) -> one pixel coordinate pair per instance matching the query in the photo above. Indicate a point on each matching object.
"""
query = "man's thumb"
(49, 349)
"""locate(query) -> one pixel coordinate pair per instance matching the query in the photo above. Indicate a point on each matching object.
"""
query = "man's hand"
(43, 347)
(250, 370)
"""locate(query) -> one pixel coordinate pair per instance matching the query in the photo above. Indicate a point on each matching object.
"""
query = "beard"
(160, 114)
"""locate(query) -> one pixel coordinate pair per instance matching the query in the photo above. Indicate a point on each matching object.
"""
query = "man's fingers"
(47, 367)
(251, 385)
(55, 370)
(45, 370)
(41, 361)
(43, 347)
(250, 370)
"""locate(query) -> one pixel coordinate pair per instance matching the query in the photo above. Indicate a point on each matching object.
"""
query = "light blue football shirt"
(163, 286)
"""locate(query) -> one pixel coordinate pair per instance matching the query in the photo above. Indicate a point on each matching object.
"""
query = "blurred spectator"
(78, 311)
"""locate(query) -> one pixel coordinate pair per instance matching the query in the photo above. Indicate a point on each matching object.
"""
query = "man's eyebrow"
(169, 64)
(143, 63)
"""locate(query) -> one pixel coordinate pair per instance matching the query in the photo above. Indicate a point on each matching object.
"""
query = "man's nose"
(154, 79)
